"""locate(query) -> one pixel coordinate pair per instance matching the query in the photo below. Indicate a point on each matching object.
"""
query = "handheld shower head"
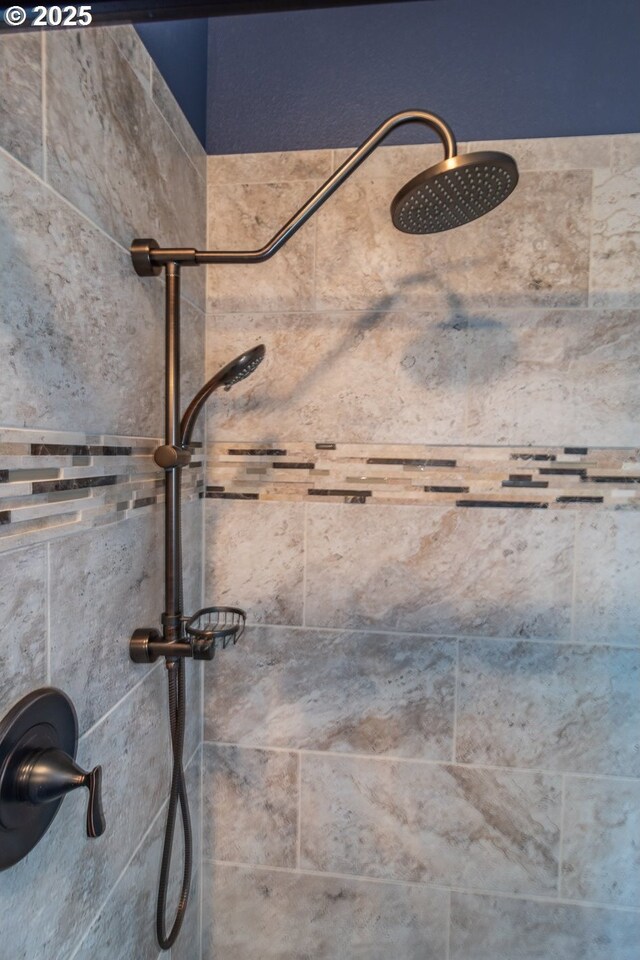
(243, 366)
(454, 192)
(233, 372)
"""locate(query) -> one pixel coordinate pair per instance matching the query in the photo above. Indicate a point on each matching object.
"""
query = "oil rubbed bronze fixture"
(454, 192)
(38, 742)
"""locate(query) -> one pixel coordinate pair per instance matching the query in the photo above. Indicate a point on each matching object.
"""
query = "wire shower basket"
(215, 625)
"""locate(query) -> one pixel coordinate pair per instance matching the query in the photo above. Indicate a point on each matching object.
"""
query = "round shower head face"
(242, 366)
(454, 192)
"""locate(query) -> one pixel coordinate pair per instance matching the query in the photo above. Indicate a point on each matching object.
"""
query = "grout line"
(563, 800)
(456, 683)
(478, 638)
(44, 107)
(299, 820)
(106, 900)
(590, 249)
(119, 703)
(419, 761)
(416, 884)
(48, 614)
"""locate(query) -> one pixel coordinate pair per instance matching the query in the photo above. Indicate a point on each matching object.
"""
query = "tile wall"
(93, 151)
(427, 744)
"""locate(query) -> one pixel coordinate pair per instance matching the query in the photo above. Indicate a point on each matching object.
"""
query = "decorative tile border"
(51, 483)
(526, 477)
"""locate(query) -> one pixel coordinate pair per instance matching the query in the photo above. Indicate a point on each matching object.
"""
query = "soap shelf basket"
(216, 624)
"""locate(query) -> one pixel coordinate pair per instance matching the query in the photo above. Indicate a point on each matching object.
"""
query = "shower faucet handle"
(48, 775)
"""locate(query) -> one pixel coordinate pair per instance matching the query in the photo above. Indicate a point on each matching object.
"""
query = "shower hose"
(178, 793)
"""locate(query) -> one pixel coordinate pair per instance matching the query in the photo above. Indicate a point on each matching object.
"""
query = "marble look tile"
(79, 340)
(625, 152)
(439, 570)
(104, 584)
(269, 167)
(194, 371)
(349, 692)
(266, 915)
(124, 927)
(47, 899)
(553, 153)
(560, 707)
(490, 928)
(250, 805)
(187, 946)
(125, 182)
(176, 119)
(322, 377)
(448, 825)
(254, 559)
(246, 216)
(607, 605)
(21, 98)
(555, 377)
(615, 244)
(128, 40)
(533, 249)
(601, 853)
(23, 624)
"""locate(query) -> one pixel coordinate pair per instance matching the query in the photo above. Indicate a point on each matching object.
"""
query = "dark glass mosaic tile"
(144, 502)
(435, 489)
(215, 495)
(564, 471)
(59, 450)
(77, 483)
(110, 451)
(293, 466)
(214, 489)
(338, 493)
(579, 499)
(533, 456)
(4, 476)
(577, 450)
(195, 464)
(325, 446)
(256, 452)
(526, 504)
(611, 479)
(5, 516)
(521, 482)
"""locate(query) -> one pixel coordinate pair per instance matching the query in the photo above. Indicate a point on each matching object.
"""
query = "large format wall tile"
(351, 692)
(80, 338)
(615, 246)
(254, 555)
(607, 601)
(601, 848)
(269, 167)
(265, 915)
(21, 97)
(245, 217)
(447, 825)
(556, 377)
(534, 249)
(104, 584)
(438, 570)
(250, 805)
(490, 928)
(67, 876)
(23, 623)
(389, 377)
(569, 708)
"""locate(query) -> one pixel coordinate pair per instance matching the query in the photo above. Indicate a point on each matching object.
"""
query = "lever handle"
(50, 774)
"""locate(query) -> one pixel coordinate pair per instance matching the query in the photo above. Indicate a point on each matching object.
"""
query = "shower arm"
(149, 258)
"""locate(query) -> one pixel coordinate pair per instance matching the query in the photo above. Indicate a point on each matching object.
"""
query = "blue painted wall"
(179, 49)
(492, 68)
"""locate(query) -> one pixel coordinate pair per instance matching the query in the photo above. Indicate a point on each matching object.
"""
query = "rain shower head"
(233, 372)
(454, 192)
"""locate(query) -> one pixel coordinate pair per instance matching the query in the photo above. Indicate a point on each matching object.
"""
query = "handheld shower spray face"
(454, 192)
(243, 366)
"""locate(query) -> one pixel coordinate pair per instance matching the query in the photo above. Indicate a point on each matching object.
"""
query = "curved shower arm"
(148, 257)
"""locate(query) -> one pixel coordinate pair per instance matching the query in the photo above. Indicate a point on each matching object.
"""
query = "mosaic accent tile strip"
(466, 477)
(53, 482)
